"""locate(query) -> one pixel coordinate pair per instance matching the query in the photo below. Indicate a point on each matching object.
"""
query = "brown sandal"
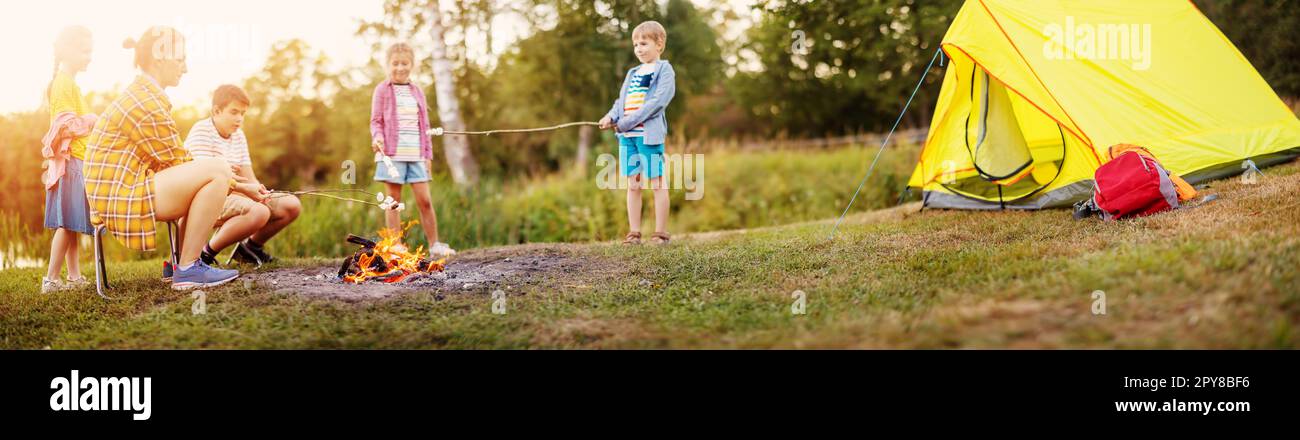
(660, 238)
(632, 238)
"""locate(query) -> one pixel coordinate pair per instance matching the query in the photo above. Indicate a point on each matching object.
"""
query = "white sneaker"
(79, 283)
(441, 249)
(51, 286)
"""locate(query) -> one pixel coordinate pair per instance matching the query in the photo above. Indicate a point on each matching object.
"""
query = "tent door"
(998, 147)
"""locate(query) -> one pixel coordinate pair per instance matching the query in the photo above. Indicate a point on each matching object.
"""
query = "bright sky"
(229, 39)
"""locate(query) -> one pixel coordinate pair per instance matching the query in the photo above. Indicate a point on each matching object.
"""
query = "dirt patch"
(588, 332)
(479, 271)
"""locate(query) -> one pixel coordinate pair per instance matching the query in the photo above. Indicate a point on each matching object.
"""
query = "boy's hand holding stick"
(255, 191)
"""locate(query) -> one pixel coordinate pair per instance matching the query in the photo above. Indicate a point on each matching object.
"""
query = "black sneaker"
(246, 252)
(208, 259)
(260, 251)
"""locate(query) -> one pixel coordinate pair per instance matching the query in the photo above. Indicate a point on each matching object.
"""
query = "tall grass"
(741, 189)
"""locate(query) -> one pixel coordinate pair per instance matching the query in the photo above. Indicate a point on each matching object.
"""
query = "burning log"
(386, 260)
(361, 241)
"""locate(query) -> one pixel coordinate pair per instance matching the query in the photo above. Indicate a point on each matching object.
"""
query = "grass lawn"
(1224, 275)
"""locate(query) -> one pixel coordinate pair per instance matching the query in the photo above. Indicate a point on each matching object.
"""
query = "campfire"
(387, 260)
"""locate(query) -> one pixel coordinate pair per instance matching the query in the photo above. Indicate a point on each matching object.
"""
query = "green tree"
(814, 68)
(20, 153)
(305, 119)
(413, 21)
(1265, 32)
(571, 68)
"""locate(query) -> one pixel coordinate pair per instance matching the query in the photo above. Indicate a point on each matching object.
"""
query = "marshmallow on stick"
(388, 163)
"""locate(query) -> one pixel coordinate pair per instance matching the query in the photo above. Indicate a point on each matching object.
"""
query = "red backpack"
(1133, 185)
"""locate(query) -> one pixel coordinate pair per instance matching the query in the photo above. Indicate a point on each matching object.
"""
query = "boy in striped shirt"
(638, 116)
(243, 222)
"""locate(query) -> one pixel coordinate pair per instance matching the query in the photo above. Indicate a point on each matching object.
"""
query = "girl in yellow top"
(66, 210)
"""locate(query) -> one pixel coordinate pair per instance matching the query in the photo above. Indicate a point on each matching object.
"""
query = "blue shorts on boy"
(639, 158)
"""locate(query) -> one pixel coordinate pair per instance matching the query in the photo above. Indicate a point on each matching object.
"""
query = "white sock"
(187, 266)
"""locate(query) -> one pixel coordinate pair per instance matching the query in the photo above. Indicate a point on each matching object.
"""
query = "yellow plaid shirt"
(134, 138)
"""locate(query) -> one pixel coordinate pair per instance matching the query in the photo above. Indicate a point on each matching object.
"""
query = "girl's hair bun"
(129, 43)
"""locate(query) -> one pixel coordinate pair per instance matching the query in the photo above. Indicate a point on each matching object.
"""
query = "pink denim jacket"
(383, 119)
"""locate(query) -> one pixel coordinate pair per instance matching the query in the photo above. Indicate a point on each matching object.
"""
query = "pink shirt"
(384, 122)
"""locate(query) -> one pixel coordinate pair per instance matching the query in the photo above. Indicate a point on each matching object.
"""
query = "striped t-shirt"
(636, 95)
(204, 141)
(408, 124)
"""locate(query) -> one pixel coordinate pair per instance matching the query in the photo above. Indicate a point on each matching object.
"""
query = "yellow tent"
(1036, 91)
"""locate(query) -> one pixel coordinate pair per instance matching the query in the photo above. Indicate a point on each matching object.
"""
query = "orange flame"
(401, 262)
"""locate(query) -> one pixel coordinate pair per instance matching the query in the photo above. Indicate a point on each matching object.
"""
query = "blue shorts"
(639, 158)
(407, 172)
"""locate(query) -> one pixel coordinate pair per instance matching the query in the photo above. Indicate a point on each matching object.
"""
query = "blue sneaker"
(201, 275)
(168, 272)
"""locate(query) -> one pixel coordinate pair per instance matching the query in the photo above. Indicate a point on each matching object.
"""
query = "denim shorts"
(407, 172)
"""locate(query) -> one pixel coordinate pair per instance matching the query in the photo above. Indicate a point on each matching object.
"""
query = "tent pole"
(907, 191)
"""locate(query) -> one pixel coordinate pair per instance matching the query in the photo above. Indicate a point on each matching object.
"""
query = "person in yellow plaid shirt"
(137, 171)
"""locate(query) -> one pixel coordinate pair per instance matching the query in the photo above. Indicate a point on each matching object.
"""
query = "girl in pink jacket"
(66, 209)
(399, 121)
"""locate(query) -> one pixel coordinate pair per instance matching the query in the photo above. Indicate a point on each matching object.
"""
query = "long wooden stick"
(440, 132)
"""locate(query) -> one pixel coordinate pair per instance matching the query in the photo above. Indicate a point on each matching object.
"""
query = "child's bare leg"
(58, 248)
(661, 204)
(240, 227)
(73, 255)
(286, 211)
(634, 202)
(393, 219)
(428, 217)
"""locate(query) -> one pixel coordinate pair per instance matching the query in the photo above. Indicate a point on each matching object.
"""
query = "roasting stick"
(441, 132)
(384, 202)
(384, 160)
